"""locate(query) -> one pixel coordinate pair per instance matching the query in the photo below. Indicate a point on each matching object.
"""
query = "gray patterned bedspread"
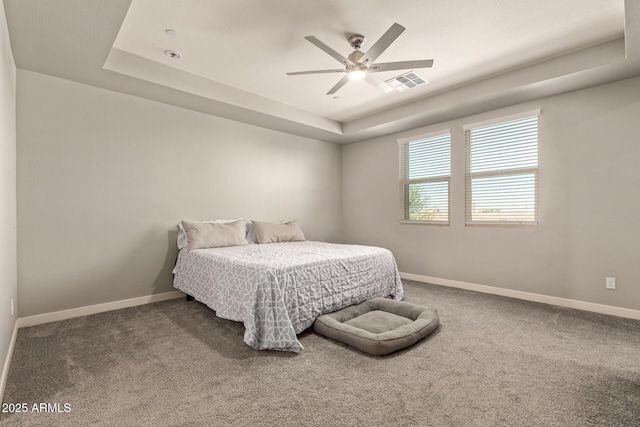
(277, 290)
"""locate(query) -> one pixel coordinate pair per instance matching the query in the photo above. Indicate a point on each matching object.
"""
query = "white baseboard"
(7, 360)
(546, 299)
(39, 319)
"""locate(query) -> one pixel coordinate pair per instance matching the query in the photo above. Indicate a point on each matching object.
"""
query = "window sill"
(436, 223)
(503, 224)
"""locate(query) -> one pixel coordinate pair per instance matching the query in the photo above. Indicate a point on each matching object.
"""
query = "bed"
(278, 289)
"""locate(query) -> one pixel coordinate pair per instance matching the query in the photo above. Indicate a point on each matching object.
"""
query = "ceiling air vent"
(406, 81)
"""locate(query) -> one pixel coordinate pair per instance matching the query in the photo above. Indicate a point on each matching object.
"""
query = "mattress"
(277, 290)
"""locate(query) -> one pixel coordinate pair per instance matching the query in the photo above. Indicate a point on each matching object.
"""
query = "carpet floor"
(494, 361)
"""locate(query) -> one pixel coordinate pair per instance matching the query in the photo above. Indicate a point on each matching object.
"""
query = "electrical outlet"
(12, 306)
(610, 283)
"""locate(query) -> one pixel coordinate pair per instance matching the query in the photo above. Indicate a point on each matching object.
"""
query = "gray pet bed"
(378, 326)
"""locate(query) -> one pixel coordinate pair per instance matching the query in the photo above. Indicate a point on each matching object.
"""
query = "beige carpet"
(493, 362)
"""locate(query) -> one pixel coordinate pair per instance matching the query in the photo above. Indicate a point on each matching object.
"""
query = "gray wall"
(8, 271)
(589, 205)
(103, 178)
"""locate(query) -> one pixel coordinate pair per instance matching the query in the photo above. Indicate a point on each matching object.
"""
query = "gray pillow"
(202, 235)
(182, 235)
(274, 232)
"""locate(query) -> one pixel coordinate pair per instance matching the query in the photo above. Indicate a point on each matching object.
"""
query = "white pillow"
(203, 235)
(275, 232)
(182, 235)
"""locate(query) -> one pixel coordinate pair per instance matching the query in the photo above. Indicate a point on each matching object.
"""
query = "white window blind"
(502, 172)
(425, 168)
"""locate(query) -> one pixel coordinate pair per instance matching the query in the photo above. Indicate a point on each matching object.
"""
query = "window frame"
(469, 176)
(402, 144)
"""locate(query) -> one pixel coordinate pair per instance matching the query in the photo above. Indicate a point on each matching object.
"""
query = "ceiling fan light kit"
(356, 72)
(361, 65)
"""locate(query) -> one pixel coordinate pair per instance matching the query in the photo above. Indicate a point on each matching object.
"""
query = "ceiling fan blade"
(338, 85)
(383, 43)
(297, 73)
(402, 65)
(328, 50)
(377, 82)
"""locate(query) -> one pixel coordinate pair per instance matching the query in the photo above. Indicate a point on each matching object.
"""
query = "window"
(502, 171)
(425, 167)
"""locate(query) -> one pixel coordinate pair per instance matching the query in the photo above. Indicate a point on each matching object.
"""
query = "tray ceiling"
(236, 53)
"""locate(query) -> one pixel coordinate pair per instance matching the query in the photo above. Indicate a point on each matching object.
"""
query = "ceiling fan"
(360, 65)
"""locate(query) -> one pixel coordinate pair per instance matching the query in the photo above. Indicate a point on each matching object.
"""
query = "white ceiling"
(236, 53)
(252, 44)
